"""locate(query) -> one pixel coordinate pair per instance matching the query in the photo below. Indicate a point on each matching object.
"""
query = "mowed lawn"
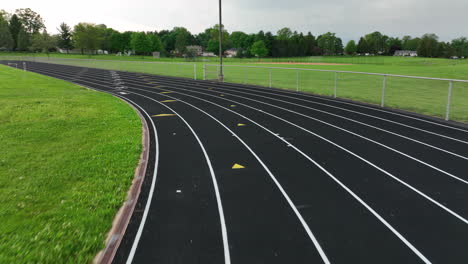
(422, 96)
(67, 159)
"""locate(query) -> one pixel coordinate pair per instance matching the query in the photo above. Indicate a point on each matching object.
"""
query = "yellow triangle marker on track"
(240, 125)
(233, 105)
(166, 92)
(237, 166)
(168, 101)
(162, 115)
(221, 94)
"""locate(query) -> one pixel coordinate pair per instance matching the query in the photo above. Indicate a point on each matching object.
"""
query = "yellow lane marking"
(166, 92)
(240, 125)
(168, 101)
(222, 94)
(237, 166)
(210, 88)
(233, 105)
(161, 115)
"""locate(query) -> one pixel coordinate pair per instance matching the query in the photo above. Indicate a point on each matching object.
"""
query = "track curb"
(122, 218)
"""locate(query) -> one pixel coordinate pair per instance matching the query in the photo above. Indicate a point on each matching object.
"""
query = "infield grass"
(67, 159)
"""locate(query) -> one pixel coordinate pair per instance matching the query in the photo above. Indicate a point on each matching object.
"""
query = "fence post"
(204, 72)
(195, 71)
(24, 66)
(336, 84)
(384, 86)
(297, 81)
(270, 78)
(449, 100)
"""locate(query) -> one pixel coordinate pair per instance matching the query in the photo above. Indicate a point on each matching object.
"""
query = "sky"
(350, 19)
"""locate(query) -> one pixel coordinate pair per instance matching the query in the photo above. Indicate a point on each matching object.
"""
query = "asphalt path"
(245, 174)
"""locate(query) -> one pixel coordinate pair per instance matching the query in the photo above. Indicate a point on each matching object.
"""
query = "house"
(208, 54)
(230, 53)
(406, 53)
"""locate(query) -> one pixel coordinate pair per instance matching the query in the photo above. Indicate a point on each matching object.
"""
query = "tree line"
(25, 31)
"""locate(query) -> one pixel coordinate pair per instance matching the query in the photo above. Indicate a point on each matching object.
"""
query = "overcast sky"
(350, 19)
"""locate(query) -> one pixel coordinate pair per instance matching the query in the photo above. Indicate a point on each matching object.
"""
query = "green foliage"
(428, 46)
(140, 43)
(330, 44)
(15, 26)
(87, 37)
(460, 46)
(284, 33)
(31, 20)
(376, 43)
(42, 42)
(259, 49)
(156, 44)
(23, 40)
(351, 48)
(65, 37)
(410, 43)
(6, 40)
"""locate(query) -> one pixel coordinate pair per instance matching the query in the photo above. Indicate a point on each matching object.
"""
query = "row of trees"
(21, 31)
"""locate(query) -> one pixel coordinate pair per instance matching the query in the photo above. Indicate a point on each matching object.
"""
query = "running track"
(324, 180)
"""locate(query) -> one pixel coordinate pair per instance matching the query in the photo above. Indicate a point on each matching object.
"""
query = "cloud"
(350, 19)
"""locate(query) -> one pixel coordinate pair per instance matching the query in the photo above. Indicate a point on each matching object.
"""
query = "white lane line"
(349, 119)
(323, 122)
(342, 148)
(353, 104)
(318, 120)
(401, 237)
(291, 204)
(227, 256)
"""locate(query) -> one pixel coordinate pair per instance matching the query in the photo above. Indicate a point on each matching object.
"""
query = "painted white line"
(354, 104)
(291, 204)
(227, 257)
(340, 147)
(403, 239)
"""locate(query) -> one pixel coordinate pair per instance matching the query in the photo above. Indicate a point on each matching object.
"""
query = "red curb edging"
(121, 220)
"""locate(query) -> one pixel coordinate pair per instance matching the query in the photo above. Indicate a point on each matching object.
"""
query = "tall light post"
(221, 76)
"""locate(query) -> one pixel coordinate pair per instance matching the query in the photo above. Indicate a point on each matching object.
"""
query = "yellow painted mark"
(166, 92)
(168, 101)
(210, 88)
(240, 125)
(162, 115)
(237, 166)
(233, 105)
(222, 94)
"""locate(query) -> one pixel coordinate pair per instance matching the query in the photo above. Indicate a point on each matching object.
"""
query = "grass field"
(422, 96)
(67, 159)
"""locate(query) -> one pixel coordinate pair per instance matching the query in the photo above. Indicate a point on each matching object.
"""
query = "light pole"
(221, 76)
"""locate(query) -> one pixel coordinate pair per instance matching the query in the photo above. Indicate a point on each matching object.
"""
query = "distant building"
(230, 53)
(406, 53)
(208, 54)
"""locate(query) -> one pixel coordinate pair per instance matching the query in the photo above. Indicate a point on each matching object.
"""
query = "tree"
(284, 34)
(351, 48)
(140, 43)
(86, 37)
(362, 46)
(259, 49)
(156, 44)
(42, 42)
(6, 40)
(23, 42)
(428, 46)
(410, 43)
(65, 37)
(376, 42)
(31, 20)
(460, 46)
(330, 44)
(393, 45)
(15, 26)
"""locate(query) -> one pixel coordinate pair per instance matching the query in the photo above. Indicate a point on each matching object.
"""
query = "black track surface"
(372, 185)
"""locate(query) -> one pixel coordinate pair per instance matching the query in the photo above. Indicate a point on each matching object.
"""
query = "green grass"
(422, 96)
(67, 159)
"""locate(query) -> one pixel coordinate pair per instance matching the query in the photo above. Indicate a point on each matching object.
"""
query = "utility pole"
(221, 76)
